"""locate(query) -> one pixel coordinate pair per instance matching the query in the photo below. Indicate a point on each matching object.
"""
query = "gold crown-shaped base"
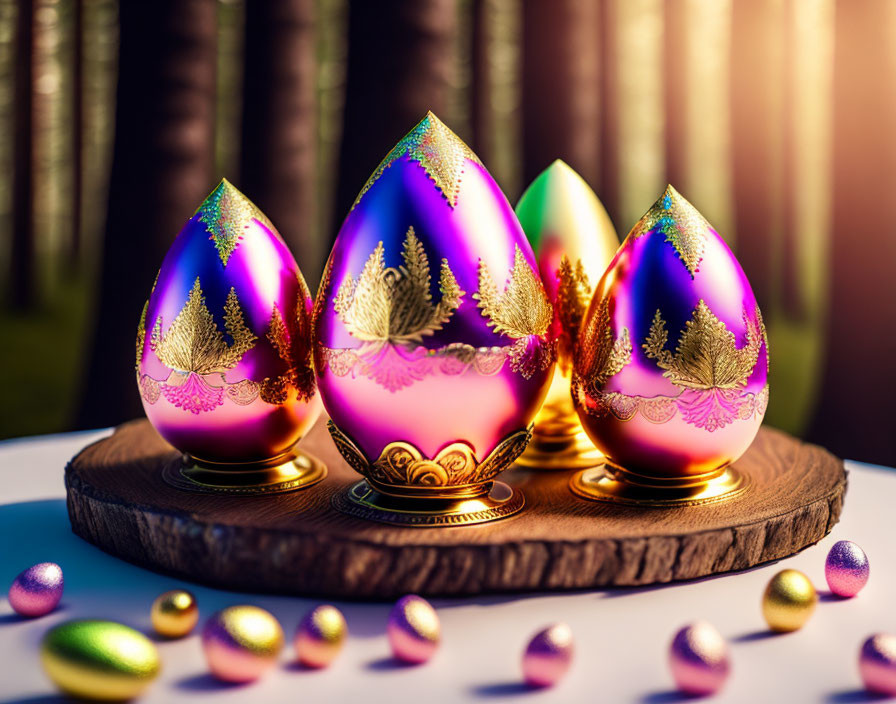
(617, 485)
(403, 486)
(288, 472)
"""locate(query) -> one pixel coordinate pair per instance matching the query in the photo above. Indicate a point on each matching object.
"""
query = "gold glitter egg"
(241, 643)
(320, 636)
(789, 601)
(174, 613)
(99, 659)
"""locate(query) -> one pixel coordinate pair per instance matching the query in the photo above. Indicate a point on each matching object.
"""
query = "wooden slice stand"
(297, 543)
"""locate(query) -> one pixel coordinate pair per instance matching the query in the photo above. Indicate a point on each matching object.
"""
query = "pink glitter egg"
(320, 636)
(241, 643)
(548, 656)
(37, 590)
(877, 663)
(846, 568)
(413, 629)
(698, 658)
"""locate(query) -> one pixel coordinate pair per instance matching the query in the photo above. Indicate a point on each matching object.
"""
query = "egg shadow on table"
(206, 682)
(388, 663)
(668, 696)
(41, 699)
(504, 689)
(848, 696)
(829, 596)
(764, 634)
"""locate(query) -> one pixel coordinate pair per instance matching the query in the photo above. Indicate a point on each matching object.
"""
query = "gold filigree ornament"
(453, 488)
(681, 223)
(195, 350)
(437, 149)
(227, 214)
(390, 310)
(522, 312)
(573, 296)
(601, 355)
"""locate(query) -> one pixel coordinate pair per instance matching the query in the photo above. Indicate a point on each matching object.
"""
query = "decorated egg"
(413, 629)
(320, 636)
(241, 643)
(574, 241)
(698, 659)
(548, 656)
(433, 334)
(37, 590)
(224, 361)
(174, 614)
(99, 659)
(846, 568)
(670, 377)
(877, 664)
(788, 601)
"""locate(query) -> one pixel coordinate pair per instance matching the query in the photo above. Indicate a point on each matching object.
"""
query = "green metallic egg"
(99, 659)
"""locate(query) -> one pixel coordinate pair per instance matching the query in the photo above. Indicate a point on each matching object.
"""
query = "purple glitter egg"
(846, 568)
(877, 663)
(37, 590)
(413, 629)
(698, 658)
(548, 656)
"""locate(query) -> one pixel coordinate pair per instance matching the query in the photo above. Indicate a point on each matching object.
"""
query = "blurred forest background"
(774, 117)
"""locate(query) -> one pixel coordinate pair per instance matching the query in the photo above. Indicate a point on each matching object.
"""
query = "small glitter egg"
(698, 658)
(789, 601)
(320, 636)
(99, 659)
(877, 663)
(174, 613)
(37, 590)
(846, 568)
(413, 629)
(241, 643)
(548, 656)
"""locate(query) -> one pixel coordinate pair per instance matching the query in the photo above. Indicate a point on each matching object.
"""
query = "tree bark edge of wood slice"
(296, 543)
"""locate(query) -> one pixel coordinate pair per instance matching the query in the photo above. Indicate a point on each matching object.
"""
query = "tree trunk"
(757, 118)
(161, 170)
(855, 414)
(22, 293)
(399, 66)
(561, 99)
(77, 133)
(279, 122)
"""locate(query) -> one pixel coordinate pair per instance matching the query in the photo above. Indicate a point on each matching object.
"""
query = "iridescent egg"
(320, 636)
(846, 568)
(224, 362)
(877, 664)
(174, 614)
(37, 590)
(698, 659)
(99, 659)
(548, 656)
(241, 643)
(574, 241)
(433, 328)
(789, 601)
(671, 375)
(413, 629)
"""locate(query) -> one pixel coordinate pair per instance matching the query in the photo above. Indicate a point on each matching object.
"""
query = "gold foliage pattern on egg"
(573, 295)
(394, 305)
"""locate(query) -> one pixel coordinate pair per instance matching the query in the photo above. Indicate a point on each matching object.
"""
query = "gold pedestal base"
(363, 501)
(289, 472)
(559, 452)
(617, 485)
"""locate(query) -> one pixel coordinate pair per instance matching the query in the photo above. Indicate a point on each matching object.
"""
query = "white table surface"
(621, 636)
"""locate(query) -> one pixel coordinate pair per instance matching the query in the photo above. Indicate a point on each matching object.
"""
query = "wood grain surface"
(297, 543)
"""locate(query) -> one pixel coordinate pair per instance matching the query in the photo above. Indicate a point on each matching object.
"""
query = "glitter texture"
(789, 601)
(37, 590)
(548, 656)
(241, 643)
(174, 614)
(877, 664)
(846, 569)
(698, 659)
(413, 629)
